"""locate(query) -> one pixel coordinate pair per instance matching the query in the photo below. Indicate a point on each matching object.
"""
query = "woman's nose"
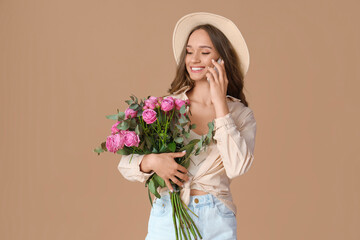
(195, 58)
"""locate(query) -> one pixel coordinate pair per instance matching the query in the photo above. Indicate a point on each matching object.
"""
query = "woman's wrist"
(145, 165)
(221, 109)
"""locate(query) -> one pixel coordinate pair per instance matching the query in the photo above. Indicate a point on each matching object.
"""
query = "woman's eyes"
(191, 52)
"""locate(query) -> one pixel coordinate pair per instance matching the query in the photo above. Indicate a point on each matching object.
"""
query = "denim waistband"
(198, 201)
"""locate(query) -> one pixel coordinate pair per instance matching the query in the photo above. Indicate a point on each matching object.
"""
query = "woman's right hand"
(164, 165)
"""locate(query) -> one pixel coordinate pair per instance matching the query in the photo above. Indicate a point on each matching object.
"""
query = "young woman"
(200, 41)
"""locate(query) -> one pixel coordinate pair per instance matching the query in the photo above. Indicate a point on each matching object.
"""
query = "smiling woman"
(199, 40)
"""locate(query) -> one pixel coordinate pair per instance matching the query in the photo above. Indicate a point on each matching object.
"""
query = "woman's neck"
(200, 93)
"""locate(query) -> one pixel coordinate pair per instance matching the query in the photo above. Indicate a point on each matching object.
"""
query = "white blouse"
(229, 155)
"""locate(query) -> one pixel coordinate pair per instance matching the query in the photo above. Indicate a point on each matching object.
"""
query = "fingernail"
(212, 60)
(184, 151)
(171, 190)
(222, 61)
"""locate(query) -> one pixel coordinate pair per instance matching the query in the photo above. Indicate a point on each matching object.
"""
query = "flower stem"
(181, 227)
(183, 216)
(187, 214)
(174, 218)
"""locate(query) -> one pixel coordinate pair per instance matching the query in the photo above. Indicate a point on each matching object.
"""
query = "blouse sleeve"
(235, 142)
(131, 171)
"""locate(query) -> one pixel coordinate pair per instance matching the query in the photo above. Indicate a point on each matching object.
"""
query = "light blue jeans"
(215, 222)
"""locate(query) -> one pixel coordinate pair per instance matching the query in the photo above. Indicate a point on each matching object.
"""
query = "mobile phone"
(218, 61)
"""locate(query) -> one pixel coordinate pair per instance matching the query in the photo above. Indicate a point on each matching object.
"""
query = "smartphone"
(218, 61)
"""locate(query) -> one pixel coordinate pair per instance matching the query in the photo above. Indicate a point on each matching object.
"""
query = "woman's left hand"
(218, 85)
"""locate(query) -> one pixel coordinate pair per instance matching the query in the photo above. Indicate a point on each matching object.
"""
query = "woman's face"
(199, 52)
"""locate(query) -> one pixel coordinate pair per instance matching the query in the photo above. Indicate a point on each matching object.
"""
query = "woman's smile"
(197, 69)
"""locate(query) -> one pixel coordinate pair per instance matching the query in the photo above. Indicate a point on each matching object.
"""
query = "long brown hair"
(227, 53)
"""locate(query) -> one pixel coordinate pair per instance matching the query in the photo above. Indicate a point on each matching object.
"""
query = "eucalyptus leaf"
(137, 130)
(124, 151)
(139, 113)
(98, 150)
(186, 134)
(112, 117)
(133, 123)
(129, 102)
(153, 187)
(134, 106)
(121, 115)
(124, 125)
(211, 125)
(179, 127)
(182, 109)
(179, 139)
(160, 181)
(150, 197)
(181, 121)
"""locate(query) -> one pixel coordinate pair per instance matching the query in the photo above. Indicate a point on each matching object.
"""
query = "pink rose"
(131, 139)
(114, 128)
(149, 116)
(167, 104)
(150, 105)
(130, 112)
(114, 142)
(153, 99)
(122, 133)
(151, 102)
(179, 103)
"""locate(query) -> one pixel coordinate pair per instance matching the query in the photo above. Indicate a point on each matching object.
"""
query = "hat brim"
(231, 31)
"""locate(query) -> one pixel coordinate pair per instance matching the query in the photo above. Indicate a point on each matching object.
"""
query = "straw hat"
(230, 30)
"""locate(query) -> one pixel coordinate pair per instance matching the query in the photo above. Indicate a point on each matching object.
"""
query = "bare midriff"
(197, 192)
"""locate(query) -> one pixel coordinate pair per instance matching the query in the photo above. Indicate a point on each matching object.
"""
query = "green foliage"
(183, 109)
(167, 134)
(159, 180)
(137, 130)
(121, 116)
(112, 117)
(124, 125)
(172, 147)
(179, 139)
(98, 150)
(124, 151)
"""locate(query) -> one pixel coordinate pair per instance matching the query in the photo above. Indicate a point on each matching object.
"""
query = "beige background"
(64, 65)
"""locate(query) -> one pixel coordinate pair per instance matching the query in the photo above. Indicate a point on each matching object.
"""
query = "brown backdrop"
(64, 65)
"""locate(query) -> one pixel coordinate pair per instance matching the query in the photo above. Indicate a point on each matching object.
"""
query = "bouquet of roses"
(156, 125)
